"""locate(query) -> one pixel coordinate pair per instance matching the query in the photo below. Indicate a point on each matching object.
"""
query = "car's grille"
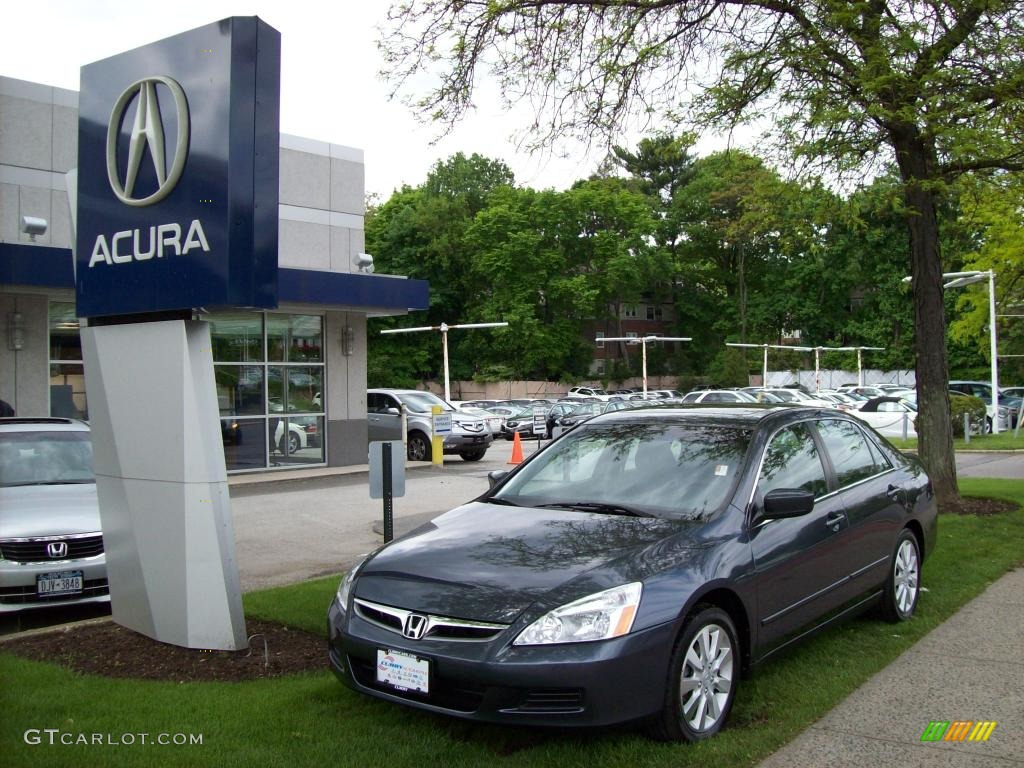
(447, 693)
(27, 593)
(472, 426)
(36, 550)
(552, 700)
(435, 627)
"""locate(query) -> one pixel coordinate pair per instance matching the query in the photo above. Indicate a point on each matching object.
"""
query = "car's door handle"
(834, 520)
(896, 493)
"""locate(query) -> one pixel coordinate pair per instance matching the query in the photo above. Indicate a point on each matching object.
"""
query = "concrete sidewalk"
(970, 668)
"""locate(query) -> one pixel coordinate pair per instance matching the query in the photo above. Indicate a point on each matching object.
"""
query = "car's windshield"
(45, 458)
(664, 470)
(588, 409)
(422, 402)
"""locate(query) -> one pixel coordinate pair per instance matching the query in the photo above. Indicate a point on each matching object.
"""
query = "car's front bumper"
(456, 442)
(18, 583)
(582, 684)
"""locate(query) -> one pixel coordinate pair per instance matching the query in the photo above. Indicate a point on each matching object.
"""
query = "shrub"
(974, 407)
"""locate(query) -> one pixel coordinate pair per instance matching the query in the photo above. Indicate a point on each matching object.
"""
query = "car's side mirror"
(392, 412)
(495, 476)
(787, 502)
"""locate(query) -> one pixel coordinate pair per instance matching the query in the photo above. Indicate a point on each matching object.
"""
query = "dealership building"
(291, 382)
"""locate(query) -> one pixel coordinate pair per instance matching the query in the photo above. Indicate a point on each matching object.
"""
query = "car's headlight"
(345, 587)
(600, 616)
(1003, 410)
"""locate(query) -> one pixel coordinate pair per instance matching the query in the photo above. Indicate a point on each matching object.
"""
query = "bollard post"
(967, 427)
(436, 440)
(389, 504)
(1016, 427)
(905, 419)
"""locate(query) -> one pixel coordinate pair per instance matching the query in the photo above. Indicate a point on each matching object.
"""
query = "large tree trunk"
(934, 425)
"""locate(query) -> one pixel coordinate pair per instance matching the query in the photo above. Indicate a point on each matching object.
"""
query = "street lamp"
(959, 280)
(642, 340)
(444, 328)
(817, 358)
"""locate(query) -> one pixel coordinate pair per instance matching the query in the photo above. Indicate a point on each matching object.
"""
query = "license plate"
(403, 671)
(59, 583)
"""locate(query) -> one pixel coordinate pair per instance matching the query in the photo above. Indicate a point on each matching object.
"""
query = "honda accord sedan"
(634, 568)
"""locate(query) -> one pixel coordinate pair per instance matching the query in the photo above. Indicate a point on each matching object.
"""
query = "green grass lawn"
(312, 720)
(1004, 441)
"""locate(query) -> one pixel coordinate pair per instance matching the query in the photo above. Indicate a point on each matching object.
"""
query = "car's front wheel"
(702, 678)
(419, 447)
(903, 585)
(473, 455)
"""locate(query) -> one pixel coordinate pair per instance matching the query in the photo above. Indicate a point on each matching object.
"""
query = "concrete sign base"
(162, 483)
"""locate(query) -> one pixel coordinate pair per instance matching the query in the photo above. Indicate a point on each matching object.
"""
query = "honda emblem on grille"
(57, 550)
(415, 626)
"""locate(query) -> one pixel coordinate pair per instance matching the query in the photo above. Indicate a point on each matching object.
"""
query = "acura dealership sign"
(178, 174)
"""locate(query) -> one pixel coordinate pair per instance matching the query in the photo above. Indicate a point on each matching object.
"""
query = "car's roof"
(740, 414)
(41, 424)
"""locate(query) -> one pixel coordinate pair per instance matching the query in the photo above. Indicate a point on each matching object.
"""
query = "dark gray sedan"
(634, 567)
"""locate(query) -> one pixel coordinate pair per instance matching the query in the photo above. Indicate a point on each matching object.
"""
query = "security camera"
(363, 262)
(32, 225)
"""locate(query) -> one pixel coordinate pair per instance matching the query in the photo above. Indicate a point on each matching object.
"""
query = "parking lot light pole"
(642, 340)
(444, 328)
(959, 280)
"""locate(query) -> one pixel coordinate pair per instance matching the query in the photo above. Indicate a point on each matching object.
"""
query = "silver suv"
(470, 438)
(51, 545)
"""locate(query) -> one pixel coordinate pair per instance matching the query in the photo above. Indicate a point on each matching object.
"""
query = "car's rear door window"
(850, 451)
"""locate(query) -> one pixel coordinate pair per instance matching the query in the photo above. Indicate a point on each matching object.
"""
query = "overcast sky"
(330, 89)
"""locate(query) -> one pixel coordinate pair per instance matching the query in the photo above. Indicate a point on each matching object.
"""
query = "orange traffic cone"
(517, 450)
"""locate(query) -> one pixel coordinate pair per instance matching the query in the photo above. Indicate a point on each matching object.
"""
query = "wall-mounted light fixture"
(348, 341)
(33, 225)
(363, 262)
(15, 331)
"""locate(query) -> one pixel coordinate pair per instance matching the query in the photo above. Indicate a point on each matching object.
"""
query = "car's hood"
(48, 510)
(488, 562)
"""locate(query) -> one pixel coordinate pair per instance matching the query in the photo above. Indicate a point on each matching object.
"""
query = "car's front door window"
(792, 461)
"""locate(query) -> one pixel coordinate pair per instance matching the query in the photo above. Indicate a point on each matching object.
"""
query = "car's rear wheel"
(419, 447)
(473, 455)
(293, 446)
(903, 585)
(702, 678)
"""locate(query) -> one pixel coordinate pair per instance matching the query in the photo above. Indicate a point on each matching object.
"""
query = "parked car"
(522, 422)
(1008, 406)
(470, 438)
(887, 415)
(718, 396)
(51, 542)
(635, 567)
(791, 395)
(597, 392)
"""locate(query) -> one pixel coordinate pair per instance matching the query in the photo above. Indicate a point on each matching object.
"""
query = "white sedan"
(889, 416)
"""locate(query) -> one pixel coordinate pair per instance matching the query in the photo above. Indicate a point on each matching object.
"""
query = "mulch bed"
(968, 505)
(110, 650)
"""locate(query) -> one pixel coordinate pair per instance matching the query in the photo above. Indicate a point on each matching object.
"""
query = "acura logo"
(57, 550)
(147, 131)
(415, 626)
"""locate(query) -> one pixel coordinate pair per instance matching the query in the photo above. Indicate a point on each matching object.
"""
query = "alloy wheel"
(905, 576)
(706, 678)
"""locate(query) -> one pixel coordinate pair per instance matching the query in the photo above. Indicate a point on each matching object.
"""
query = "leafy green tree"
(933, 85)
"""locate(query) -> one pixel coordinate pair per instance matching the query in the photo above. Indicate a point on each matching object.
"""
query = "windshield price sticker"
(442, 423)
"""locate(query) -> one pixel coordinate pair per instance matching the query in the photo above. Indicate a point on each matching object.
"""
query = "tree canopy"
(933, 86)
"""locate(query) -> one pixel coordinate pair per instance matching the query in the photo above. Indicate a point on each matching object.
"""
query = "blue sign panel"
(178, 173)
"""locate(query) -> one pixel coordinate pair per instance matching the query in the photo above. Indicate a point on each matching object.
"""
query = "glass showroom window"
(270, 372)
(67, 376)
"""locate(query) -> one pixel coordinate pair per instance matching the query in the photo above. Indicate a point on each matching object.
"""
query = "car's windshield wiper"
(597, 506)
(505, 502)
(46, 482)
